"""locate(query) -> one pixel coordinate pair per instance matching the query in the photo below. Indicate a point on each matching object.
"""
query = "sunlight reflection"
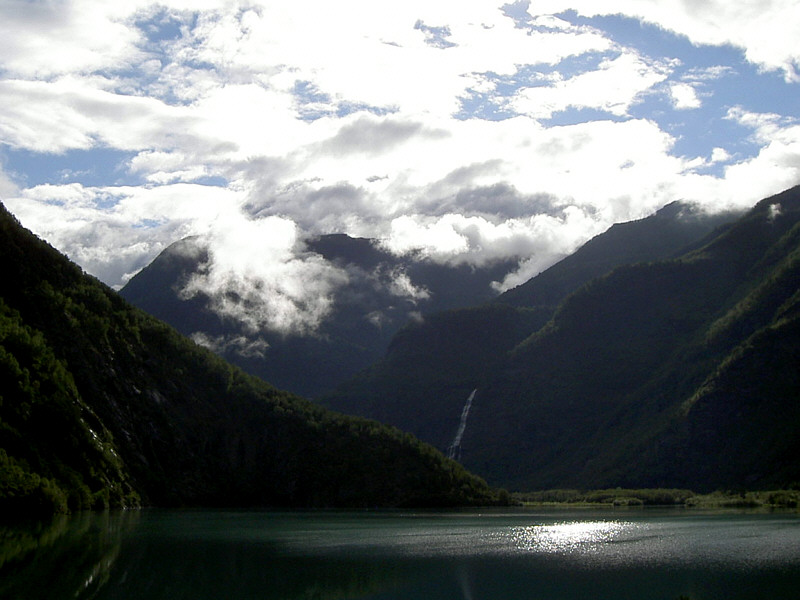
(566, 537)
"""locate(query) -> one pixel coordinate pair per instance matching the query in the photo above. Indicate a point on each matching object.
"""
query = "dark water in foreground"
(547, 554)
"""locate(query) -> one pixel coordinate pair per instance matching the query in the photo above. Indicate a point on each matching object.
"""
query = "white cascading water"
(456, 445)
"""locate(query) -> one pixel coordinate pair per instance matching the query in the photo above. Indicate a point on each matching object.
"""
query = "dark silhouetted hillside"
(103, 405)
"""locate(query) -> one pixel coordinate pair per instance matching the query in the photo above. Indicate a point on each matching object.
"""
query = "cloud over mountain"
(469, 131)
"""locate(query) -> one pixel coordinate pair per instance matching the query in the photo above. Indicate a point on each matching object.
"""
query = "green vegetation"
(49, 469)
(661, 497)
(102, 405)
(615, 497)
(757, 499)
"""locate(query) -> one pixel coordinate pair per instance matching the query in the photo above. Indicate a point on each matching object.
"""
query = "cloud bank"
(466, 132)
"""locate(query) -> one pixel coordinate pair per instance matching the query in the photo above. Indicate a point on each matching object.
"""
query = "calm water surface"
(537, 554)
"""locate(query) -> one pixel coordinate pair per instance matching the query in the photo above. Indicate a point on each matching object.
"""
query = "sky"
(464, 131)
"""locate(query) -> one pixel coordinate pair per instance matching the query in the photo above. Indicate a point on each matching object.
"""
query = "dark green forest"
(675, 372)
(102, 405)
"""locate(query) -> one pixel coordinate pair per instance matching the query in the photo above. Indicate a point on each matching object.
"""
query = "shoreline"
(644, 497)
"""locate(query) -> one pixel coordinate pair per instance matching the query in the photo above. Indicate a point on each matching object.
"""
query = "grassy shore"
(661, 497)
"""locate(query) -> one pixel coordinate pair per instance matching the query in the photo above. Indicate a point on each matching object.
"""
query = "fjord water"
(542, 554)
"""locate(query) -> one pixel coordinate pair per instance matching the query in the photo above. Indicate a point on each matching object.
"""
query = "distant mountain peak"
(373, 295)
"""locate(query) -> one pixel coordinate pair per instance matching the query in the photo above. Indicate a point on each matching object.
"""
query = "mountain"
(104, 405)
(449, 353)
(681, 371)
(667, 233)
(368, 309)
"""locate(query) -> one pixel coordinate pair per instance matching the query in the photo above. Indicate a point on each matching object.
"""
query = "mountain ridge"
(670, 230)
(103, 405)
(598, 395)
(505, 322)
(366, 310)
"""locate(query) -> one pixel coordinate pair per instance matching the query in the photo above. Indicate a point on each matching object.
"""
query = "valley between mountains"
(662, 353)
(665, 352)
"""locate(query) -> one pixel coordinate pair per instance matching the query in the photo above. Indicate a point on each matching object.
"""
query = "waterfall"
(456, 445)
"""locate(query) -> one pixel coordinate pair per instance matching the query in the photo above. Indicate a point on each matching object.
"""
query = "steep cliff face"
(672, 373)
(104, 405)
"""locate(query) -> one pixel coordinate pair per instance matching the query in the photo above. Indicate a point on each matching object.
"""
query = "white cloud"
(775, 169)
(70, 113)
(684, 96)
(767, 30)
(112, 232)
(775, 211)
(401, 286)
(446, 172)
(251, 118)
(436, 238)
(552, 239)
(8, 188)
(613, 87)
(538, 241)
(46, 39)
(347, 117)
(767, 127)
(353, 52)
(239, 344)
(777, 164)
(720, 155)
(167, 167)
(256, 276)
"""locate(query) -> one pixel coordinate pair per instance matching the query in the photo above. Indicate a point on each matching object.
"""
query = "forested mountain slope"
(101, 404)
(440, 360)
(679, 372)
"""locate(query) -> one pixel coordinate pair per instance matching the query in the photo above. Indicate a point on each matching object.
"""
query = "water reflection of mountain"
(237, 555)
(159, 569)
(119, 554)
(249, 572)
(68, 557)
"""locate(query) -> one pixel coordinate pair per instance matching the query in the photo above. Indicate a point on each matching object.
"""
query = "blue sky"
(468, 131)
